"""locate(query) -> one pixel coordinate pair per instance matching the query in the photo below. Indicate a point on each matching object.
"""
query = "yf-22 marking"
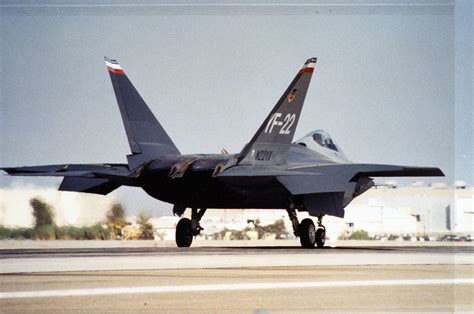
(285, 124)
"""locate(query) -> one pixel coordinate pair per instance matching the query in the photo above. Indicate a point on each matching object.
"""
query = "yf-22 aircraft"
(311, 174)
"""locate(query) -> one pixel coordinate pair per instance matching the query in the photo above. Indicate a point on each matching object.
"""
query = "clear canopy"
(323, 139)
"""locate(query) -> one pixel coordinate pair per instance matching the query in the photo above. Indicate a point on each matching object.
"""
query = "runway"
(255, 279)
(140, 258)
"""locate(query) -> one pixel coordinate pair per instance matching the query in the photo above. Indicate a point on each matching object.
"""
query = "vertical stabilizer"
(270, 145)
(147, 138)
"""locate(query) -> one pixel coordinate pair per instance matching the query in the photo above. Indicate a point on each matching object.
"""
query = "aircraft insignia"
(292, 95)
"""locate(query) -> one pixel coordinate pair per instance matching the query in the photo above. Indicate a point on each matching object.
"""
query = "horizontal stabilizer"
(88, 185)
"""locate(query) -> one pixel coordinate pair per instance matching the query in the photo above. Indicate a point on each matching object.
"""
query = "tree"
(146, 228)
(116, 218)
(42, 213)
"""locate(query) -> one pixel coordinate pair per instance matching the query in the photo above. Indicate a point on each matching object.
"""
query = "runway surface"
(257, 279)
(102, 259)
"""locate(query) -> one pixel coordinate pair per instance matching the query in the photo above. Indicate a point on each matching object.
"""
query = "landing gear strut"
(308, 233)
(186, 228)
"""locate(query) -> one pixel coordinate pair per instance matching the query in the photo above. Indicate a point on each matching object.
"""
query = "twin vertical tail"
(271, 143)
(269, 146)
(147, 138)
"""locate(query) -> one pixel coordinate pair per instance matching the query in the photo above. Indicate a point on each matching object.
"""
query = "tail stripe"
(113, 66)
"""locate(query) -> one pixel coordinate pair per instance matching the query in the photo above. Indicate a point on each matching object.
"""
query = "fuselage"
(198, 187)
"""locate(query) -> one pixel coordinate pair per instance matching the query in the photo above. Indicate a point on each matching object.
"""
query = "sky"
(384, 87)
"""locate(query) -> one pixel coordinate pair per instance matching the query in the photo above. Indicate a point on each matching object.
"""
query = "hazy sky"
(384, 86)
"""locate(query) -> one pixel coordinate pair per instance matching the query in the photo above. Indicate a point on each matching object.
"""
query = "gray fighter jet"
(271, 172)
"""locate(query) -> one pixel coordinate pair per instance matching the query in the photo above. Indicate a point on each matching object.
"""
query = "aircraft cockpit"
(323, 139)
(320, 141)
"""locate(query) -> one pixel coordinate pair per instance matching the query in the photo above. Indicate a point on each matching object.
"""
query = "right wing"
(88, 178)
(104, 178)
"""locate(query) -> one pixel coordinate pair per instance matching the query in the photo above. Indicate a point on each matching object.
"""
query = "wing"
(337, 177)
(104, 178)
(326, 189)
(88, 178)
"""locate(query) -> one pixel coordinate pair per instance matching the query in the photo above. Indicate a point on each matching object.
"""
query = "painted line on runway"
(230, 287)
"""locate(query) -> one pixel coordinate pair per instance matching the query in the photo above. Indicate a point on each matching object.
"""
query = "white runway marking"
(230, 287)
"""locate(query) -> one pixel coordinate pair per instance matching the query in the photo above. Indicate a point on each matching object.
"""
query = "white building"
(438, 209)
(384, 210)
(77, 209)
(415, 210)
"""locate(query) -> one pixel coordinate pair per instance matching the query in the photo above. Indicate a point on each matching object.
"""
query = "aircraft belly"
(210, 192)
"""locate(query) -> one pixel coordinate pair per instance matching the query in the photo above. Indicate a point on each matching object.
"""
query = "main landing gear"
(308, 233)
(186, 228)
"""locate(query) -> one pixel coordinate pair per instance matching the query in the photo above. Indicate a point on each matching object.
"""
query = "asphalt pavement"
(248, 279)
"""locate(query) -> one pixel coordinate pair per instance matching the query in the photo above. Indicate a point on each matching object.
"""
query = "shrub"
(359, 235)
(68, 233)
(277, 228)
(50, 232)
(45, 232)
(21, 233)
(4, 233)
(146, 228)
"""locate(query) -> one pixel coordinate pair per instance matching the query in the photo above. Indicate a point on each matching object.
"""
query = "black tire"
(307, 233)
(184, 233)
(320, 237)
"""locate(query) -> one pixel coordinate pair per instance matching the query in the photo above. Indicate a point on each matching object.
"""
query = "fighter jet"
(272, 171)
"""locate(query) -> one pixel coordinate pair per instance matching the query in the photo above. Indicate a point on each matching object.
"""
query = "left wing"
(328, 189)
(336, 177)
